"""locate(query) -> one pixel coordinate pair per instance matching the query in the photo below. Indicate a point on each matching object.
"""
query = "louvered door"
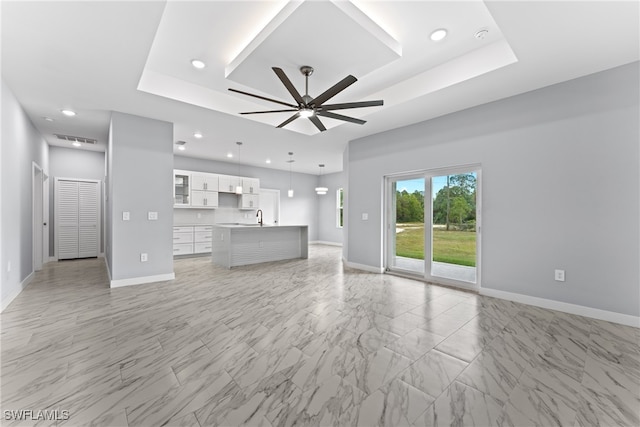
(88, 219)
(77, 213)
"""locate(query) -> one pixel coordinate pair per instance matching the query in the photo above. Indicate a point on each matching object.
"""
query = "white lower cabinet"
(189, 239)
(182, 240)
(202, 239)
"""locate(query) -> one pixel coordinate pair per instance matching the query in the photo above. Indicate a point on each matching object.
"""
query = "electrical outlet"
(199, 215)
(144, 257)
(126, 216)
(559, 275)
(365, 216)
(153, 216)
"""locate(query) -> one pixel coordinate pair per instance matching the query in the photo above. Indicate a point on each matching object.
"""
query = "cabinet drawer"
(183, 249)
(182, 238)
(202, 236)
(202, 228)
(202, 247)
(184, 229)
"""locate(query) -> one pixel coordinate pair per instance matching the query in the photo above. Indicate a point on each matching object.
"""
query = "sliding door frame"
(390, 215)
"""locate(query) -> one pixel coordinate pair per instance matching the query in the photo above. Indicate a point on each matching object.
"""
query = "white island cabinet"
(237, 244)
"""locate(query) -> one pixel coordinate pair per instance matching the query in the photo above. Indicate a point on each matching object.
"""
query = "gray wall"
(301, 209)
(21, 144)
(140, 164)
(560, 183)
(327, 208)
(74, 163)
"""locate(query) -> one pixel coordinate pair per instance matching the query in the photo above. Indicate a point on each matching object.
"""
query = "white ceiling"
(134, 57)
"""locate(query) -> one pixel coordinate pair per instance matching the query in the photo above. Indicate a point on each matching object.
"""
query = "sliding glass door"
(437, 236)
(406, 225)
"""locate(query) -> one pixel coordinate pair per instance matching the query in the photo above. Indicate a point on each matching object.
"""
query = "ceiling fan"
(310, 107)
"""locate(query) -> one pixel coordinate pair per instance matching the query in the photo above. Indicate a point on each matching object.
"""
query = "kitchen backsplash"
(226, 213)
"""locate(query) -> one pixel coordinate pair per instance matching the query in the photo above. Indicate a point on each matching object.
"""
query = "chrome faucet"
(259, 214)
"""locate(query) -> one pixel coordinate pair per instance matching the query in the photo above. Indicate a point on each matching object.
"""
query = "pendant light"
(290, 161)
(239, 186)
(321, 190)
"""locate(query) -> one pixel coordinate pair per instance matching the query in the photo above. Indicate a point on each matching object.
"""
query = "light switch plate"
(153, 216)
(126, 216)
(559, 275)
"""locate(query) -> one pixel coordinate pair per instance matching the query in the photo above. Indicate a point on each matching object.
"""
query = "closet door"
(87, 219)
(77, 218)
(67, 213)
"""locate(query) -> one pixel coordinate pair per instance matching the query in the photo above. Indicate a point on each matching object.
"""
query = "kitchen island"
(243, 244)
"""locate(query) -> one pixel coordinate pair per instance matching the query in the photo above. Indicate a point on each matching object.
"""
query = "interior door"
(67, 215)
(270, 204)
(38, 217)
(77, 212)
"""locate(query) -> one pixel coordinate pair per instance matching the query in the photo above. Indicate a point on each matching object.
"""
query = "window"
(339, 208)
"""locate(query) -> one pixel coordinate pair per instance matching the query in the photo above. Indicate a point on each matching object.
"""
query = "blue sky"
(412, 185)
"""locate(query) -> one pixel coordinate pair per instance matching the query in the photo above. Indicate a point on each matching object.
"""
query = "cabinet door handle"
(205, 202)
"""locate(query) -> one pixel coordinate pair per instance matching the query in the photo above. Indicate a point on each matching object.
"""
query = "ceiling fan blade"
(316, 121)
(270, 111)
(340, 117)
(346, 105)
(289, 120)
(287, 83)
(334, 90)
(262, 97)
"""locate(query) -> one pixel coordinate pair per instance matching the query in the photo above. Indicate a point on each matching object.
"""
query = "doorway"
(433, 225)
(270, 204)
(39, 229)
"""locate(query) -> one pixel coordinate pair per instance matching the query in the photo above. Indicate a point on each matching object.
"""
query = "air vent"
(77, 139)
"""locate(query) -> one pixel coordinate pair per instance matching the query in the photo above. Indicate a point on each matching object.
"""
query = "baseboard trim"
(13, 296)
(363, 267)
(322, 242)
(142, 280)
(595, 313)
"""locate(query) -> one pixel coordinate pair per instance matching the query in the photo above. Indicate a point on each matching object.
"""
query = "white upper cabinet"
(249, 201)
(228, 184)
(204, 199)
(181, 188)
(204, 182)
(250, 185)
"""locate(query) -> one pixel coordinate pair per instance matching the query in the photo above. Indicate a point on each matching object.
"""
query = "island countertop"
(236, 244)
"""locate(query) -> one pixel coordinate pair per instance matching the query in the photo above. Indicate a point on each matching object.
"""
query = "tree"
(456, 201)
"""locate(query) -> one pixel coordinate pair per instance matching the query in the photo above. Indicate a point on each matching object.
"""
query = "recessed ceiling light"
(76, 144)
(197, 135)
(68, 113)
(438, 34)
(198, 64)
(229, 155)
(49, 119)
(268, 161)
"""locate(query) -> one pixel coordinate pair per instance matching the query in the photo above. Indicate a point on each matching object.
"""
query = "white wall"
(140, 157)
(560, 183)
(73, 163)
(299, 210)
(21, 144)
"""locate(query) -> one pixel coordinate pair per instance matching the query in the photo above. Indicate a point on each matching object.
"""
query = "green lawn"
(453, 247)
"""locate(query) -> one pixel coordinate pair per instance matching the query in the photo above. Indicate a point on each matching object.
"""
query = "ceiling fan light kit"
(311, 108)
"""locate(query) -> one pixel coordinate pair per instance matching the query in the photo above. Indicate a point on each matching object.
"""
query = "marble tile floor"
(304, 342)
